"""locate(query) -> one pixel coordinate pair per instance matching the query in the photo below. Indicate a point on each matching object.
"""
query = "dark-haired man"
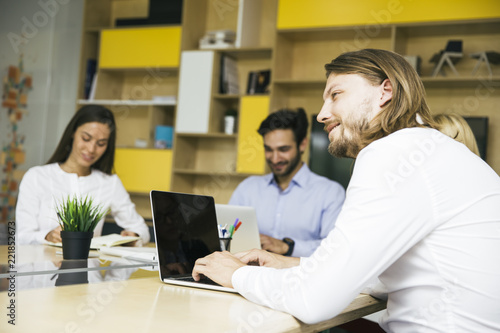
(295, 208)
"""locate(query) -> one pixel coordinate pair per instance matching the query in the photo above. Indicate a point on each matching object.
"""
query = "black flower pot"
(76, 244)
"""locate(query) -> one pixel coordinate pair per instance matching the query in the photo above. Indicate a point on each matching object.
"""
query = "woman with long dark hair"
(81, 165)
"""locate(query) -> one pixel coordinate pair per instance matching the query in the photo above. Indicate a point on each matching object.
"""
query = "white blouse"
(44, 187)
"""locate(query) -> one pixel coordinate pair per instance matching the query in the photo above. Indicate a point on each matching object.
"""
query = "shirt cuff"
(39, 236)
(239, 277)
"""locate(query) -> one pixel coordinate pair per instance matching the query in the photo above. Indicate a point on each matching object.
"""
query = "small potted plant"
(78, 218)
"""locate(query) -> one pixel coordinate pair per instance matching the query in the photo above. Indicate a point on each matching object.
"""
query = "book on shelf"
(89, 77)
(228, 76)
(93, 88)
(105, 241)
(258, 82)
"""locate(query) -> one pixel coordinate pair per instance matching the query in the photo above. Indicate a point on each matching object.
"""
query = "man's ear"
(386, 92)
(303, 145)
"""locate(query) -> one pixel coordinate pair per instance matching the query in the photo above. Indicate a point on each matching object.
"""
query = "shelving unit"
(292, 39)
(137, 67)
(205, 159)
(136, 121)
(300, 56)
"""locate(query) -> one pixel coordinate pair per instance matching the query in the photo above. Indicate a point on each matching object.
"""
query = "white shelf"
(126, 102)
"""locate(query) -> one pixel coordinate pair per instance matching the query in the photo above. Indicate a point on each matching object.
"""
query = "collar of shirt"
(300, 178)
(60, 170)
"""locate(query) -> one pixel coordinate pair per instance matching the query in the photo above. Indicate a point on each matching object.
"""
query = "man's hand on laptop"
(267, 259)
(218, 266)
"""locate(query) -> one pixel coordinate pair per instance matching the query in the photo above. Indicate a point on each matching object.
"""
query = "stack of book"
(218, 39)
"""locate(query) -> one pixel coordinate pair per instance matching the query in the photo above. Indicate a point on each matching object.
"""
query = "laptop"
(185, 229)
(247, 236)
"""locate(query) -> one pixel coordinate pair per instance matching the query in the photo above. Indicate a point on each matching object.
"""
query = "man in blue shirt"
(295, 207)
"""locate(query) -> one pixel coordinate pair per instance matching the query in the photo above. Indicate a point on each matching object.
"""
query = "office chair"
(451, 55)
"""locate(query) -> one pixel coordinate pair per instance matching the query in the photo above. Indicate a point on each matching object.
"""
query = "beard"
(342, 147)
(292, 164)
(349, 142)
(347, 145)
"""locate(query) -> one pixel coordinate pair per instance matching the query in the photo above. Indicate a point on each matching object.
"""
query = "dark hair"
(88, 114)
(286, 119)
(408, 102)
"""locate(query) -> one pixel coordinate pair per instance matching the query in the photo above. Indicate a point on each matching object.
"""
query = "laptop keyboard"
(204, 280)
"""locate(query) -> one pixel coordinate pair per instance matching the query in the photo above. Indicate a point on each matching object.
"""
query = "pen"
(237, 226)
(221, 231)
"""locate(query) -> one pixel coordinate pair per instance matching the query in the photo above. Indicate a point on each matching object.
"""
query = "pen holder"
(225, 244)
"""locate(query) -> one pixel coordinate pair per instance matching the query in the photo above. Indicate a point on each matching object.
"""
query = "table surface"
(148, 305)
(127, 303)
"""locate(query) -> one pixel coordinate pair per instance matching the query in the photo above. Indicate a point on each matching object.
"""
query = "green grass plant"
(79, 214)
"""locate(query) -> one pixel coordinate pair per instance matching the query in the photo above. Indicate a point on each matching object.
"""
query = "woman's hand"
(54, 236)
(129, 233)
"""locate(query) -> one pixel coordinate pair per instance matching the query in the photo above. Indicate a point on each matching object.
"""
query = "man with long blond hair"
(411, 218)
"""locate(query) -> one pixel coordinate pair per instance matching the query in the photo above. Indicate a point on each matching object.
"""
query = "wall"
(47, 34)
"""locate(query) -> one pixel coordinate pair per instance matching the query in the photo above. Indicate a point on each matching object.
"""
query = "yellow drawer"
(294, 14)
(250, 159)
(142, 170)
(144, 47)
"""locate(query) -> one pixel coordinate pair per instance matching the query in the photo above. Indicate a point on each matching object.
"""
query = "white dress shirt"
(305, 211)
(422, 214)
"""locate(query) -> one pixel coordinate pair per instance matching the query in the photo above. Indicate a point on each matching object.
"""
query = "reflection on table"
(69, 275)
(40, 266)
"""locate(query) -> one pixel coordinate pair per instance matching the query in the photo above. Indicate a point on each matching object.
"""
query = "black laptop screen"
(185, 229)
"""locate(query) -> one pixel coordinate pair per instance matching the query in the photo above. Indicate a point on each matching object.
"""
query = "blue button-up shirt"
(305, 211)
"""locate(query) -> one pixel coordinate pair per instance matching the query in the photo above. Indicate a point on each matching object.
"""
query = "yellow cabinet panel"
(142, 170)
(144, 47)
(293, 14)
(253, 110)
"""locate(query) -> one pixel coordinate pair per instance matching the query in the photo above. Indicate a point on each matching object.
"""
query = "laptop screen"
(185, 229)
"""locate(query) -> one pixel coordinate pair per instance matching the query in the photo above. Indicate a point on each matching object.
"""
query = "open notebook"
(144, 254)
(105, 241)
